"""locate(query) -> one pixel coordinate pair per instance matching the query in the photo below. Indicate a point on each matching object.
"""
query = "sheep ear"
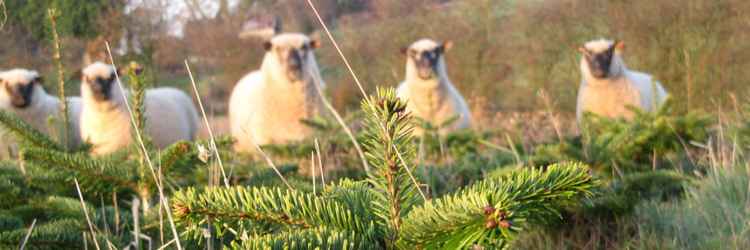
(267, 45)
(447, 45)
(315, 43)
(619, 46)
(38, 80)
(121, 71)
(404, 50)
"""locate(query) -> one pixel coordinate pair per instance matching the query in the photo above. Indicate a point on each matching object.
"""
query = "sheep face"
(18, 88)
(425, 55)
(292, 53)
(98, 80)
(598, 56)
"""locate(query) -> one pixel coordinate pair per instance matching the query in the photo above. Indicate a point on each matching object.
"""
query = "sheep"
(429, 93)
(21, 93)
(105, 121)
(267, 105)
(608, 87)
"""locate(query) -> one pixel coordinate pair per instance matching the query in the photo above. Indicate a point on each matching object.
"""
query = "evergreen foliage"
(630, 146)
(25, 133)
(39, 186)
(385, 210)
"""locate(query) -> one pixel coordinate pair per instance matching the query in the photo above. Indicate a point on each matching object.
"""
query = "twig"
(143, 148)
(208, 126)
(57, 57)
(28, 234)
(86, 213)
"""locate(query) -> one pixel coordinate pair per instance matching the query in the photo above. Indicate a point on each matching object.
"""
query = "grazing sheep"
(21, 93)
(430, 95)
(608, 87)
(105, 121)
(267, 105)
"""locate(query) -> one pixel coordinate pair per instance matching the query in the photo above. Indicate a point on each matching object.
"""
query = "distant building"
(263, 27)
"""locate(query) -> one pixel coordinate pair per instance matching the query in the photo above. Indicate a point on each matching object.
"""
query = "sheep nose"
(295, 59)
(424, 62)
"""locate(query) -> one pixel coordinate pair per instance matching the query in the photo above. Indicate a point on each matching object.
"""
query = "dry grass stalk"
(208, 126)
(550, 112)
(28, 234)
(312, 171)
(341, 122)
(346, 62)
(320, 163)
(162, 197)
(408, 171)
(86, 213)
(270, 163)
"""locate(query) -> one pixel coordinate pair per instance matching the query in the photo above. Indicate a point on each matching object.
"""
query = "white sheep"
(21, 93)
(429, 93)
(608, 87)
(267, 105)
(105, 121)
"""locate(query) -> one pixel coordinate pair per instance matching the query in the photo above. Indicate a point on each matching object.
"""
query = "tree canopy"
(77, 18)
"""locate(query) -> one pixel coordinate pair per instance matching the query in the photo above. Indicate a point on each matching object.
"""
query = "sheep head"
(426, 57)
(599, 54)
(18, 88)
(291, 54)
(97, 81)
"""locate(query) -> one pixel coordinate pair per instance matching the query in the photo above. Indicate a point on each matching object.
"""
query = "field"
(526, 175)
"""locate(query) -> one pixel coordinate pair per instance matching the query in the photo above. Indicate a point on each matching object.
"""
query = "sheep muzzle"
(100, 87)
(600, 63)
(21, 95)
(426, 63)
(295, 65)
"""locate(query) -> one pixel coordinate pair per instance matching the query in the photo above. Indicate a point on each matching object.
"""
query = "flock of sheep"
(267, 105)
